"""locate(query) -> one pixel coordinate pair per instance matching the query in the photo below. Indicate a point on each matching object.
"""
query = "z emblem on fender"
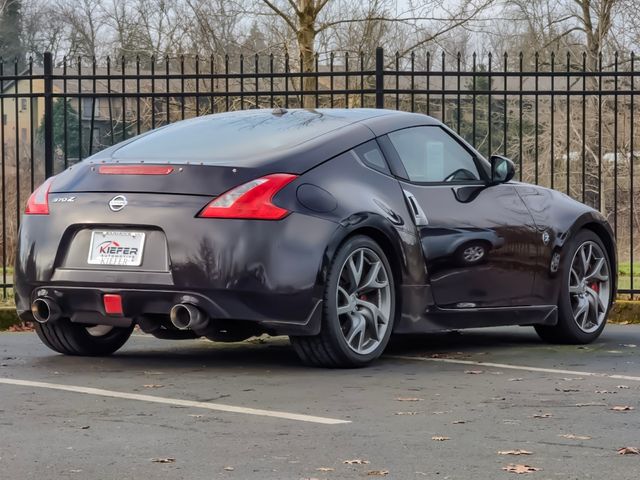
(545, 237)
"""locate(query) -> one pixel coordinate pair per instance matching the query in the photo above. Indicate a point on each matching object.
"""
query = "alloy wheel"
(473, 254)
(589, 286)
(363, 300)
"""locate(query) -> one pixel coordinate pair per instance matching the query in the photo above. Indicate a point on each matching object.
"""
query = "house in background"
(91, 121)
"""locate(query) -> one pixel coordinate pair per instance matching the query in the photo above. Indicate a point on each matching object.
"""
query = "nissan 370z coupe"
(334, 227)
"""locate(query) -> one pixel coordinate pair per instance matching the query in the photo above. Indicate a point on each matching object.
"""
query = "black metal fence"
(568, 122)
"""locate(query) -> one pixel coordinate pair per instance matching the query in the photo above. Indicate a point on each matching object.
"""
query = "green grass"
(624, 281)
(624, 275)
(7, 301)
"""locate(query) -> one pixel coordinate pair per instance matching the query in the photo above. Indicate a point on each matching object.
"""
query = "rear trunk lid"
(205, 180)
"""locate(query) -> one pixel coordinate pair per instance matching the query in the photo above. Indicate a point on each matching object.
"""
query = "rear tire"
(358, 309)
(69, 338)
(586, 293)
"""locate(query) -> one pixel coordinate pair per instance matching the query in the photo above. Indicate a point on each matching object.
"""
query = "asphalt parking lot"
(436, 407)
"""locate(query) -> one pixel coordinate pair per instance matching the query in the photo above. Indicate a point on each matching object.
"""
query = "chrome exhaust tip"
(185, 316)
(45, 310)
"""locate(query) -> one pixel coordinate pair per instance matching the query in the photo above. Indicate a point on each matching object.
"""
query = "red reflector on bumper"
(112, 304)
(134, 170)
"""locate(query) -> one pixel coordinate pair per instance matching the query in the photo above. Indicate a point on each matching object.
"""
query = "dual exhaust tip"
(44, 310)
(184, 316)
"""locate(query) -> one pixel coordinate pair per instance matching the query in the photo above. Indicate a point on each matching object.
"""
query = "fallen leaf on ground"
(515, 468)
(604, 391)
(473, 372)
(543, 415)
(194, 415)
(356, 461)
(153, 385)
(567, 390)
(406, 413)
(622, 408)
(572, 436)
(439, 438)
(21, 327)
(408, 399)
(623, 387)
(85, 427)
(229, 469)
(163, 460)
(591, 404)
(459, 422)
(515, 379)
(325, 469)
(378, 473)
(629, 451)
(515, 452)
(629, 345)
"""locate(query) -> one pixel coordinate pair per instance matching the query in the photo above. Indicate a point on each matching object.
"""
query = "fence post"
(379, 77)
(48, 115)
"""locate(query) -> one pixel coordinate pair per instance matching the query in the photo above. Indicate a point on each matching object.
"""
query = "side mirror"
(502, 169)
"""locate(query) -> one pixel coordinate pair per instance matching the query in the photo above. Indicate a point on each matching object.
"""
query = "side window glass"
(370, 154)
(429, 154)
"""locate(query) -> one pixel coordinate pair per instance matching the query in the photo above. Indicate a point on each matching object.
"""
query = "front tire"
(358, 309)
(69, 338)
(586, 293)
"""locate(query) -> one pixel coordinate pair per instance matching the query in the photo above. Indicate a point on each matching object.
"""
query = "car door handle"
(419, 217)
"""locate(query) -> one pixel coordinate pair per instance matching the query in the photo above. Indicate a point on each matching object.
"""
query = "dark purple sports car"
(334, 227)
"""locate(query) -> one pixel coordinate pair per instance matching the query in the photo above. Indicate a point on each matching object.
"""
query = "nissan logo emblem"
(117, 203)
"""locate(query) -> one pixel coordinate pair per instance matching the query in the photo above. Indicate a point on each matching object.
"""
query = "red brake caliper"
(595, 286)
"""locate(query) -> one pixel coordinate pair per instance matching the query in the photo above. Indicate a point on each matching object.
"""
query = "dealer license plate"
(116, 248)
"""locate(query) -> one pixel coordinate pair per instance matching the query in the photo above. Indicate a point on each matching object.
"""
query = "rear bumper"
(268, 272)
(270, 311)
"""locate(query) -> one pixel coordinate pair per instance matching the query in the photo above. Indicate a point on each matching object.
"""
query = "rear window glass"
(231, 138)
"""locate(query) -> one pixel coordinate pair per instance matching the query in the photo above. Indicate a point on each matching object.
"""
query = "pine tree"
(63, 135)
(11, 32)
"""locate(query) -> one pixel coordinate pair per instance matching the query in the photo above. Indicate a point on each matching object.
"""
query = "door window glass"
(429, 154)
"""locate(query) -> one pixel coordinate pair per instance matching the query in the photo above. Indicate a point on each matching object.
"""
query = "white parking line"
(516, 367)
(174, 401)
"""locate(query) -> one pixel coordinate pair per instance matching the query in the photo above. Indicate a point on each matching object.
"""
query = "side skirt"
(437, 319)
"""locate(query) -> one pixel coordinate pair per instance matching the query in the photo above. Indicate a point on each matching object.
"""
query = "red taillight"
(134, 170)
(250, 200)
(38, 203)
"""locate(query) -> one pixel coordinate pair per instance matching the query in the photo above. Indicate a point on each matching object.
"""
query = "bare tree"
(309, 18)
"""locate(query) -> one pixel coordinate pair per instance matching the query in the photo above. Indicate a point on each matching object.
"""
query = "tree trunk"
(306, 36)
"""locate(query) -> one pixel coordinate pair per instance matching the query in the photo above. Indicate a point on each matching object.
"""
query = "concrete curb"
(624, 311)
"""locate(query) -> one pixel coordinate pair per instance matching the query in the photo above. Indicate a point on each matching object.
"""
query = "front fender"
(561, 217)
